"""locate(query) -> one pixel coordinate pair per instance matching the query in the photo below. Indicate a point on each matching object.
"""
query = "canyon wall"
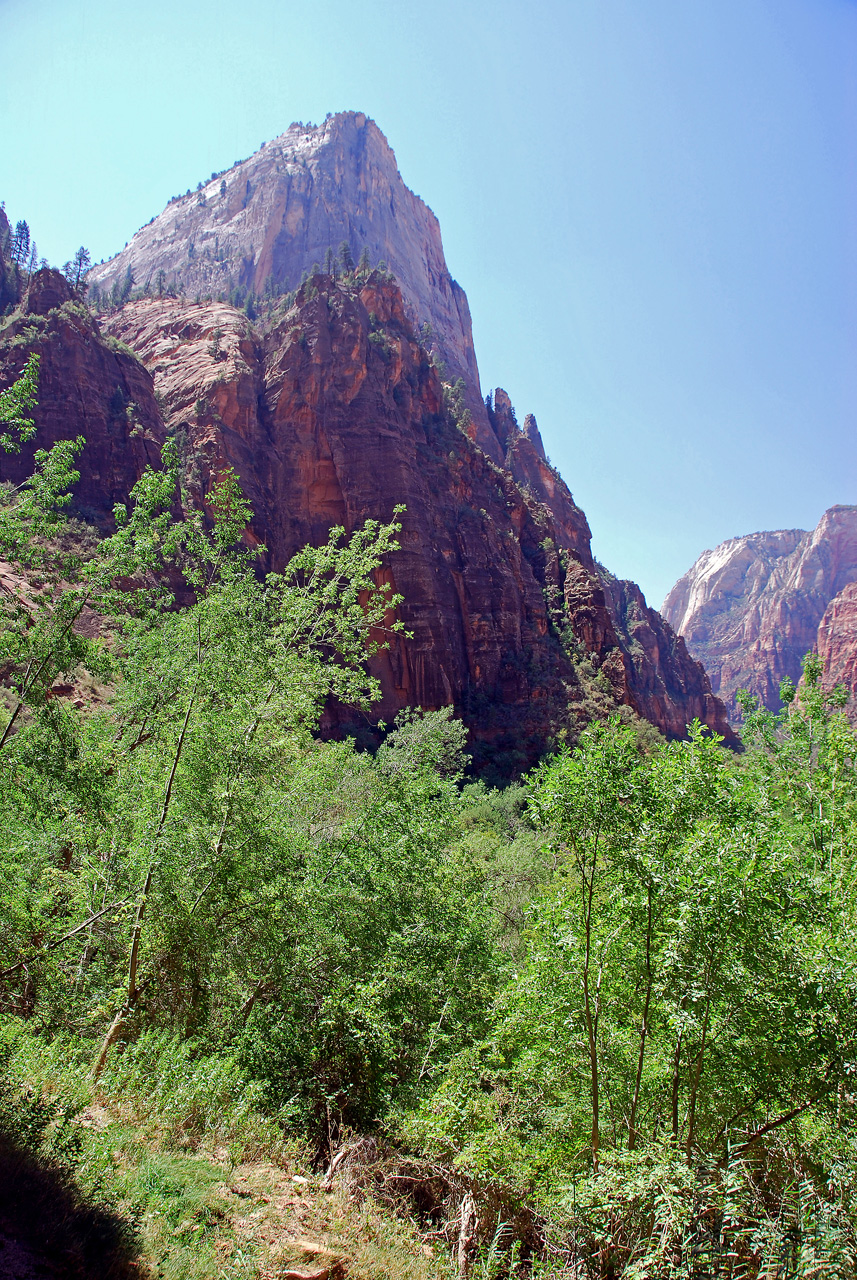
(334, 415)
(335, 395)
(753, 607)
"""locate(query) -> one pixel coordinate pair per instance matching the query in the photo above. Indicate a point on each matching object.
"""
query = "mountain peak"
(261, 225)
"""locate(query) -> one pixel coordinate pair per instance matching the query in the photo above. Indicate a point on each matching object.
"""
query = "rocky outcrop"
(836, 642)
(89, 385)
(337, 415)
(333, 412)
(751, 608)
(662, 678)
(261, 225)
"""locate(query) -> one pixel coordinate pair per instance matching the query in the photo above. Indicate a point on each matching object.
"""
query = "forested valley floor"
(273, 1006)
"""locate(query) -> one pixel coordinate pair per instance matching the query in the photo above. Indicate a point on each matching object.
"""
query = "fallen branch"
(57, 942)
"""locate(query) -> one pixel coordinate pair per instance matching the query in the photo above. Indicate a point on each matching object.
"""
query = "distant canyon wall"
(754, 606)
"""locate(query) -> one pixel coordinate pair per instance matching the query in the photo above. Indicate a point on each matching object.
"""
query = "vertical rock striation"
(262, 224)
(89, 386)
(751, 608)
(336, 415)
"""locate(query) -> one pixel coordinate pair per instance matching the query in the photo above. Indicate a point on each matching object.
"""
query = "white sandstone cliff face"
(283, 207)
(751, 608)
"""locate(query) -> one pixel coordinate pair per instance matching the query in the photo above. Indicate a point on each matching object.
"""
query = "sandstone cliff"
(263, 223)
(836, 642)
(337, 414)
(89, 385)
(751, 608)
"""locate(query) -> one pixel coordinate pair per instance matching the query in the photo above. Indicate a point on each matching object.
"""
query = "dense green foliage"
(671, 1060)
(624, 989)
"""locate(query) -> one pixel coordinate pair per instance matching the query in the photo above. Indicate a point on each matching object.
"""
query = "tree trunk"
(644, 1029)
(133, 960)
(588, 889)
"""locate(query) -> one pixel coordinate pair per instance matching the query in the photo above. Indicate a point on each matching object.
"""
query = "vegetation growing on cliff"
(608, 1015)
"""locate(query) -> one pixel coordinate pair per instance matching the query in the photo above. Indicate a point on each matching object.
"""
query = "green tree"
(20, 243)
(244, 661)
(16, 404)
(683, 1000)
(75, 270)
(420, 740)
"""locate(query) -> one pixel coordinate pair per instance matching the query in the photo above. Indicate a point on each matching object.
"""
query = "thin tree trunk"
(588, 889)
(691, 1106)
(736, 1115)
(775, 1124)
(230, 795)
(31, 680)
(466, 1233)
(676, 1077)
(644, 1029)
(49, 946)
(247, 1006)
(14, 717)
(133, 990)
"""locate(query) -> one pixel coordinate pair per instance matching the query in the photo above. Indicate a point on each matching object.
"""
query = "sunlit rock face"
(263, 223)
(836, 644)
(751, 608)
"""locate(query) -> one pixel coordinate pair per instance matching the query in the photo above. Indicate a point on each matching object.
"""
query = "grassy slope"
(108, 1181)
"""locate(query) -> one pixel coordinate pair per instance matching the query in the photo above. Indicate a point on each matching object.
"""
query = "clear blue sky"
(652, 205)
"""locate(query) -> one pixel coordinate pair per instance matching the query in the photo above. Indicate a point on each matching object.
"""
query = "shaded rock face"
(751, 608)
(87, 386)
(283, 208)
(335, 416)
(662, 677)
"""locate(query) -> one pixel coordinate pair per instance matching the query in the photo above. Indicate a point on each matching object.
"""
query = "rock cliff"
(751, 608)
(89, 385)
(836, 643)
(261, 225)
(336, 414)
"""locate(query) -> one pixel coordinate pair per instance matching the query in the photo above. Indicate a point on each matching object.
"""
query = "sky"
(651, 204)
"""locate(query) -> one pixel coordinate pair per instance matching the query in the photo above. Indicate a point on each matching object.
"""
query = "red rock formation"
(89, 386)
(337, 415)
(751, 608)
(662, 677)
(836, 642)
(260, 226)
(283, 208)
